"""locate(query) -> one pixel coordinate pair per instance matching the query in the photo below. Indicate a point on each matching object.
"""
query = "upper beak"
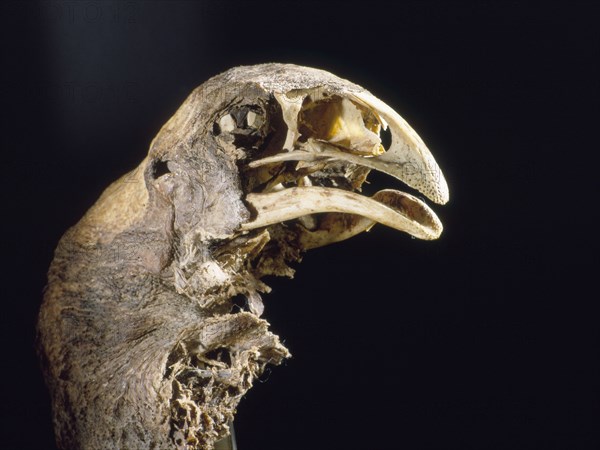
(408, 158)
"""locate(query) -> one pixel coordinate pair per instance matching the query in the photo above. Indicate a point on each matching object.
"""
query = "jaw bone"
(389, 207)
(323, 130)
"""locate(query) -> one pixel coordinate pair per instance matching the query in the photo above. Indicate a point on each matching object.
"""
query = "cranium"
(140, 343)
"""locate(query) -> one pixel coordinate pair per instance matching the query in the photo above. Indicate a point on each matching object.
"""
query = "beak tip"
(439, 192)
(444, 194)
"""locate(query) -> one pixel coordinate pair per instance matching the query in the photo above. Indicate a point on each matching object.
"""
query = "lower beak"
(395, 209)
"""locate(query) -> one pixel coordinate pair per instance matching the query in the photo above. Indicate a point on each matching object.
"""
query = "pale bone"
(288, 204)
(227, 123)
(290, 106)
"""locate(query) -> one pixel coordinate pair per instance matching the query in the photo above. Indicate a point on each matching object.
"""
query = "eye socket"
(249, 118)
(243, 125)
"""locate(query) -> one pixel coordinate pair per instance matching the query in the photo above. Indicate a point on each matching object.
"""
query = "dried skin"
(140, 342)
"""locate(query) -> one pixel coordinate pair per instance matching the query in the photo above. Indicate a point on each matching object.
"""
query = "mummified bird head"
(139, 338)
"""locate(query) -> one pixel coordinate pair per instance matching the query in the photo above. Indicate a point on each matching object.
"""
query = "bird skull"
(141, 344)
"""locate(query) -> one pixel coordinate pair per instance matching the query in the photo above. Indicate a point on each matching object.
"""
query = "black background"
(484, 339)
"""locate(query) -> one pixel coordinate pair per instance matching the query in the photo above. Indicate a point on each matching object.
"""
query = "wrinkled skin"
(140, 343)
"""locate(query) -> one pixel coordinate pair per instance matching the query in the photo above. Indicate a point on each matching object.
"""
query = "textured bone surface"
(140, 340)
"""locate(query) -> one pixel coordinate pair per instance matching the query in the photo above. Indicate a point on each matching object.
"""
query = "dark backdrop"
(484, 339)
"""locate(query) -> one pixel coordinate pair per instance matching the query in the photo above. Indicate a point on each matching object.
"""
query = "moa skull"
(140, 344)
